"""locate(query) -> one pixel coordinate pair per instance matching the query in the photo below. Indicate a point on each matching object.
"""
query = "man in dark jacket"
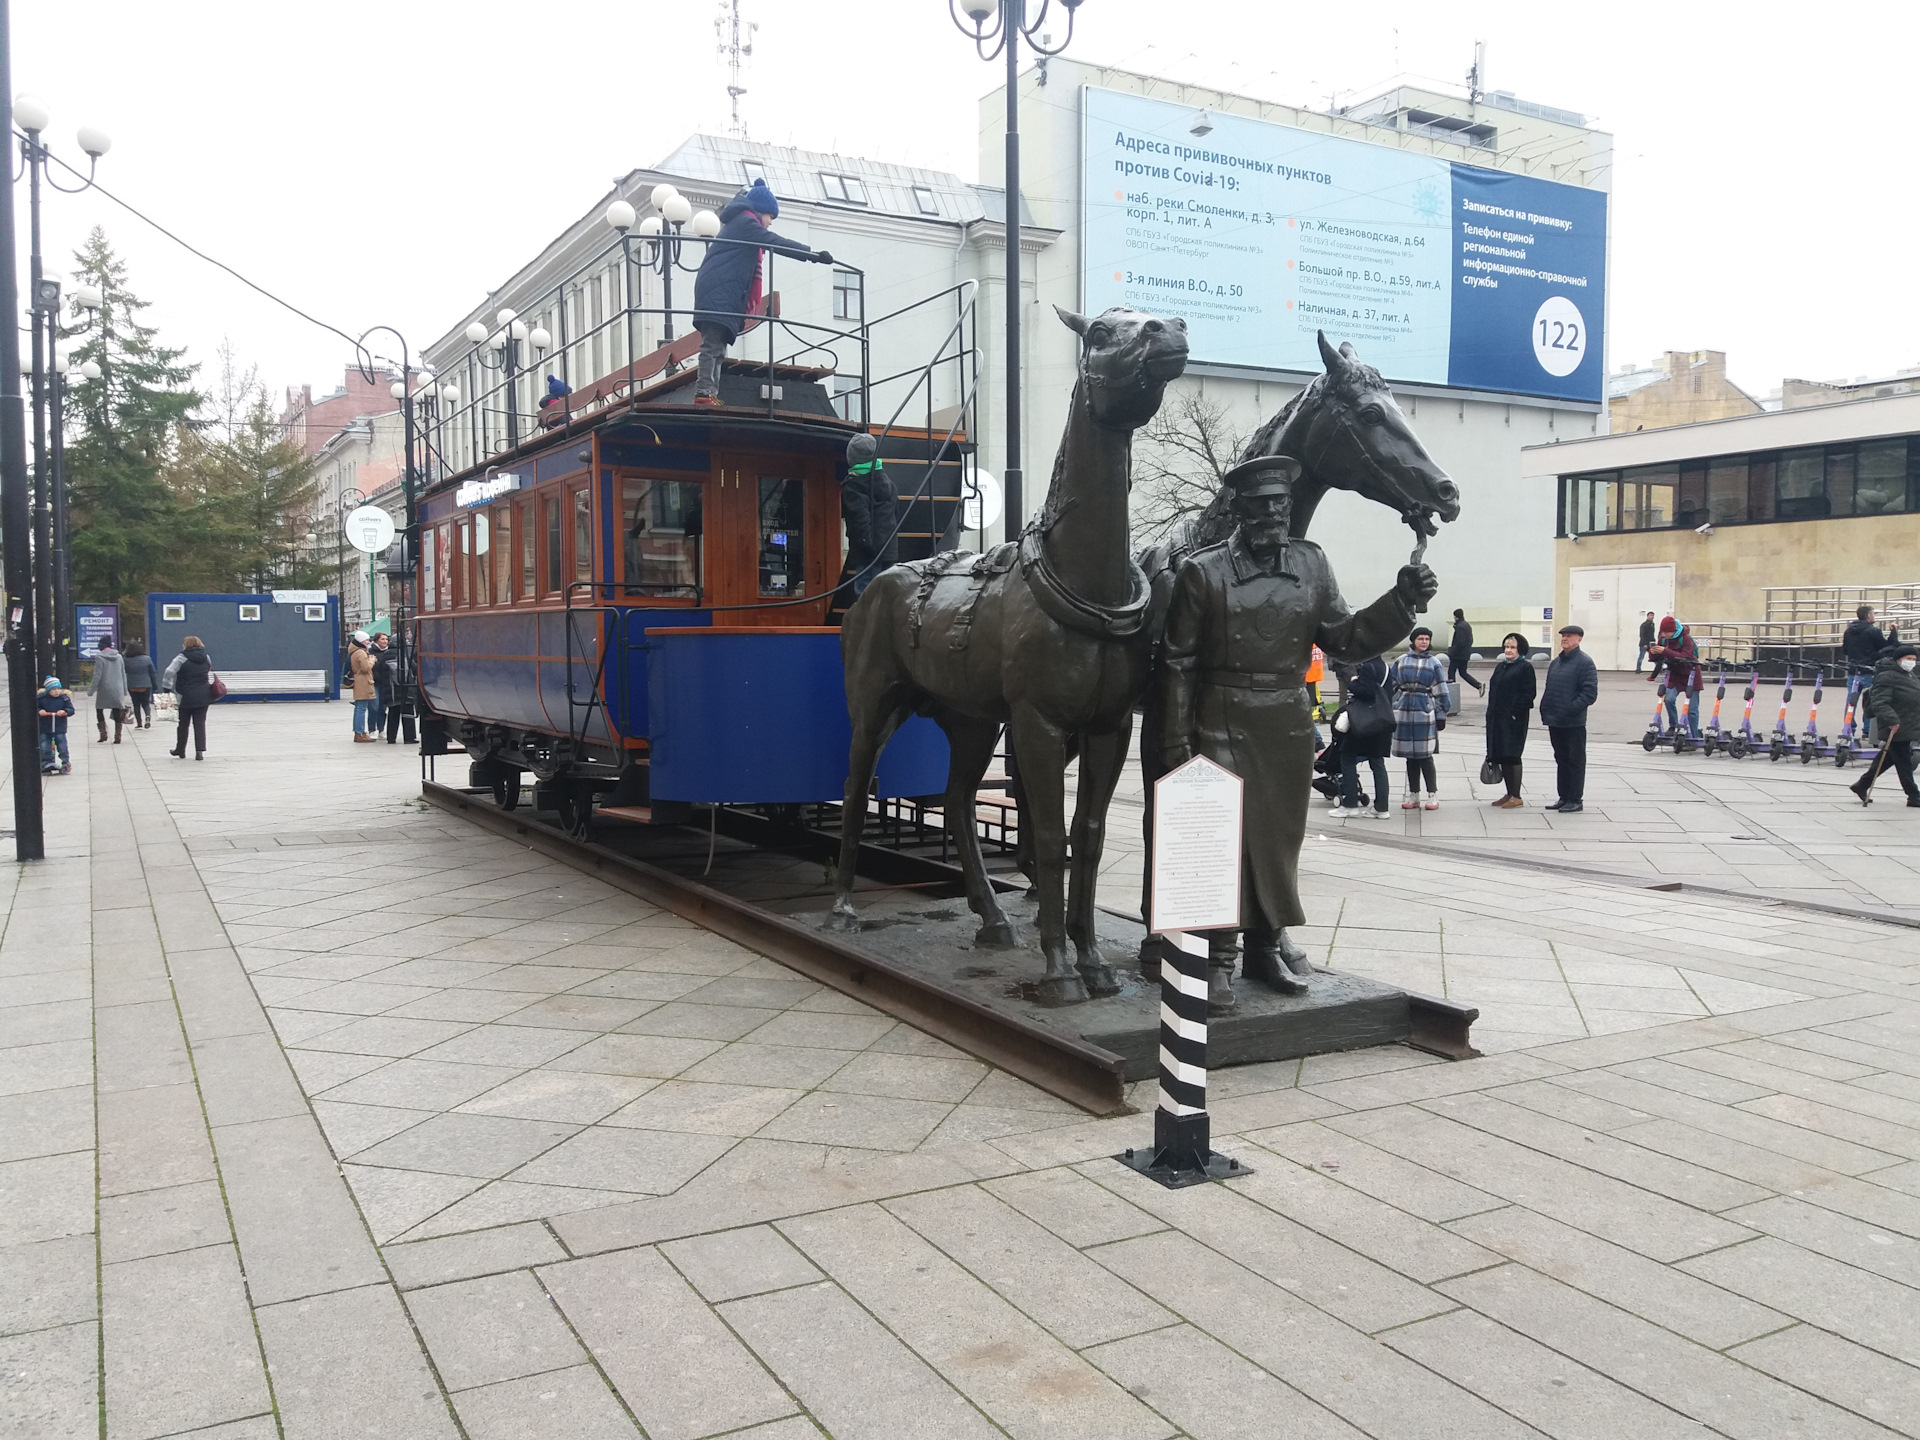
(869, 506)
(1572, 685)
(1896, 708)
(727, 289)
(1861, 644)
(1647, 633)
(1460, 651)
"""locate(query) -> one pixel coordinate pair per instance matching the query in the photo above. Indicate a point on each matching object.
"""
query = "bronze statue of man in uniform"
(1244, 619)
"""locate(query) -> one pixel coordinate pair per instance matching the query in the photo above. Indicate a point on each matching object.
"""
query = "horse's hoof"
(1062, 990)
(1100, 980)
(996, 936)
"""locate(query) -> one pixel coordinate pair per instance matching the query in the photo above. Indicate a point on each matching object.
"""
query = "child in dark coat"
(727, 289)
(55, 706)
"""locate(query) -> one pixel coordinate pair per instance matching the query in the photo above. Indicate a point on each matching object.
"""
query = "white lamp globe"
(476, 332)
(979, 11)
(95, 141)
(450, 394)
(620, 215)
(661, 195)
(397, 390)
(678, 210)
(651, 226)
(517, 329)
(87, 298)
(426, 391)
(706, 224)
(90, 370)
(541, 337)
(30, 113)
(505, 317)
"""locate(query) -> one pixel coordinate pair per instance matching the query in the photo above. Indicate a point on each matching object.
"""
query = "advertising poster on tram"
(1261, 235)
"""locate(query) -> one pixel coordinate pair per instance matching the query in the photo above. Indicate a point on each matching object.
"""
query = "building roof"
(1624, 382)
(728, 164)
(1772, 430)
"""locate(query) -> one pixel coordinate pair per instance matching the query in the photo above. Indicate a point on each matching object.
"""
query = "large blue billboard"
(1260, 235)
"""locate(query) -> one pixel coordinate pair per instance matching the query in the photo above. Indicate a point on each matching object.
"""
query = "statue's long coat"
(1239, 639)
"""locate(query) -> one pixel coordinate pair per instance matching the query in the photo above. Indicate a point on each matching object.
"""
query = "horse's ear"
(1075, 323)
(1333, 359)
(1348, 353)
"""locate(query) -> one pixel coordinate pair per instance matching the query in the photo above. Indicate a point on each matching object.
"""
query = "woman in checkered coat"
(1418, 682)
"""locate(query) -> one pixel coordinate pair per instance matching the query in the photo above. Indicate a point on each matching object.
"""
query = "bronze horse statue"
(1048, 635)
(1349, 433)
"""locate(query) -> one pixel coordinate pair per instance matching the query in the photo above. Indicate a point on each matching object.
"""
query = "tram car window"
(429, 571)
(482, 559)
(582, 507)
(503, 555)
(663, 523)
(556, 567)
(783, 529)
(529, 588)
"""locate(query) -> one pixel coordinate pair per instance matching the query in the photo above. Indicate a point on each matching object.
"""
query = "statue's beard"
(1266, 536)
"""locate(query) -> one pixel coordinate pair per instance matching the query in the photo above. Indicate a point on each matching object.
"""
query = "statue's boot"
(1220, 997)
(1295, 957)
(1264, 963)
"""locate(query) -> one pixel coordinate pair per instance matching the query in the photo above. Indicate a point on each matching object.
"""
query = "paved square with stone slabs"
(324, 1114)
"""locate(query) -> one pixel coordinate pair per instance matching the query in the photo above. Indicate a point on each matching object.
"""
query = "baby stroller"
(1326, 773)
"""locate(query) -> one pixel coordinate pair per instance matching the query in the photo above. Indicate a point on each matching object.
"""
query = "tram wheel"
(506, 789)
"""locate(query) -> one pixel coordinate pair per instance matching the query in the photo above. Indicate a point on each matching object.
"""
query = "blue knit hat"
(761, 200)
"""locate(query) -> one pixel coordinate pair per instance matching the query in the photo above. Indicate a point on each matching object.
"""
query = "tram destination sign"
(1260, 235)
(479, 492)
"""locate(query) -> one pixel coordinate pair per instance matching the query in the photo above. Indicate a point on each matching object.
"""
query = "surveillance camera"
(1574, 536)
(1706, 529)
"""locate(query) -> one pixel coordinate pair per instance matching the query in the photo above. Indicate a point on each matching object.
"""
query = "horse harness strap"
(977, 570)
(1076, 612)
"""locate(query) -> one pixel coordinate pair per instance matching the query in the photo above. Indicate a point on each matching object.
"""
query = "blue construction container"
(261, 648)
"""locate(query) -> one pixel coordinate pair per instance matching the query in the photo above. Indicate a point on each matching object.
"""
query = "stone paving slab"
(377, 1126)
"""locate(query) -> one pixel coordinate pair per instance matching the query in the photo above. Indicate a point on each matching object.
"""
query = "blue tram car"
(633, 608)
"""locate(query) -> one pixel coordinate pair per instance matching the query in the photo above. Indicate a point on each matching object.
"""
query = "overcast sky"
(390, 162)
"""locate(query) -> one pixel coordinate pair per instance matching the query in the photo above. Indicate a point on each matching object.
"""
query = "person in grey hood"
(141, 683)
(109, 689)
(870, 509)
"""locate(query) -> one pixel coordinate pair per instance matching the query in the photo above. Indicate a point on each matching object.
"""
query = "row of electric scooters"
(1809, 744)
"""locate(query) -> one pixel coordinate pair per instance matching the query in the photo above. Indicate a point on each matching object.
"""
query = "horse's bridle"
(1420, 517)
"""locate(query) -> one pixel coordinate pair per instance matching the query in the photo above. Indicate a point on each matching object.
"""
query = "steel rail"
(1064, 1065)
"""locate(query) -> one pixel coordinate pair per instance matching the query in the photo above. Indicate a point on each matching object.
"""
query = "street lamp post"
(23, 677)
(349, 501)
(51, 579)
(504, 344)
(662, 234)
(1009, 23)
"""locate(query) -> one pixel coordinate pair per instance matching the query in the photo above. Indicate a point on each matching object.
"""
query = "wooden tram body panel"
(534, 594)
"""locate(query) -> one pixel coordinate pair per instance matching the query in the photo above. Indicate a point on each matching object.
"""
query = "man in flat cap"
(1241, 628)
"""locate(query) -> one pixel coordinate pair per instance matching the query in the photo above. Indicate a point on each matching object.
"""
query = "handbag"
(1490, 772)
(216, 686)
(1371, 718)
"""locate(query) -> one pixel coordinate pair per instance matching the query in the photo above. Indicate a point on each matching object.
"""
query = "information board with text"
(1260, 235)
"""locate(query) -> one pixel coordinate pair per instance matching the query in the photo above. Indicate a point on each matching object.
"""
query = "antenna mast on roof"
(728, 26)
(1477, 75)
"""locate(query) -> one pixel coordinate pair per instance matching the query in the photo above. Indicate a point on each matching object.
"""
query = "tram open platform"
(324, 1112)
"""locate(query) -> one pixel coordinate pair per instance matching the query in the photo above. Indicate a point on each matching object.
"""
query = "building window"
(753, 170)
(849, 303)
(924, 202)
(1727, 490)
(1803, 485)
(844, 188)
(1880, 478)
(846, 390)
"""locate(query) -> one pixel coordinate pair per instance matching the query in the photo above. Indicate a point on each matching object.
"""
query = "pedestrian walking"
(140, 684)
(1366, 739)
(1511, 690)
(1896, 708)
(54, 706)
(385, 664)
(1460, 651)
(190, 677)
(109, 688)
(1418, 684)
(1675, 646)
(727, 289)
(1572, 685)
(1863, 643)
(1648, 632)
(360, 666)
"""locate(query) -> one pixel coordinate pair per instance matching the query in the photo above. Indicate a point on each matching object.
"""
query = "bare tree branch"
(1178, 461)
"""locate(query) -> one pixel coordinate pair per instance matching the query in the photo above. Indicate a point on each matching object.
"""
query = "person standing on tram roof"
(727, 289)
